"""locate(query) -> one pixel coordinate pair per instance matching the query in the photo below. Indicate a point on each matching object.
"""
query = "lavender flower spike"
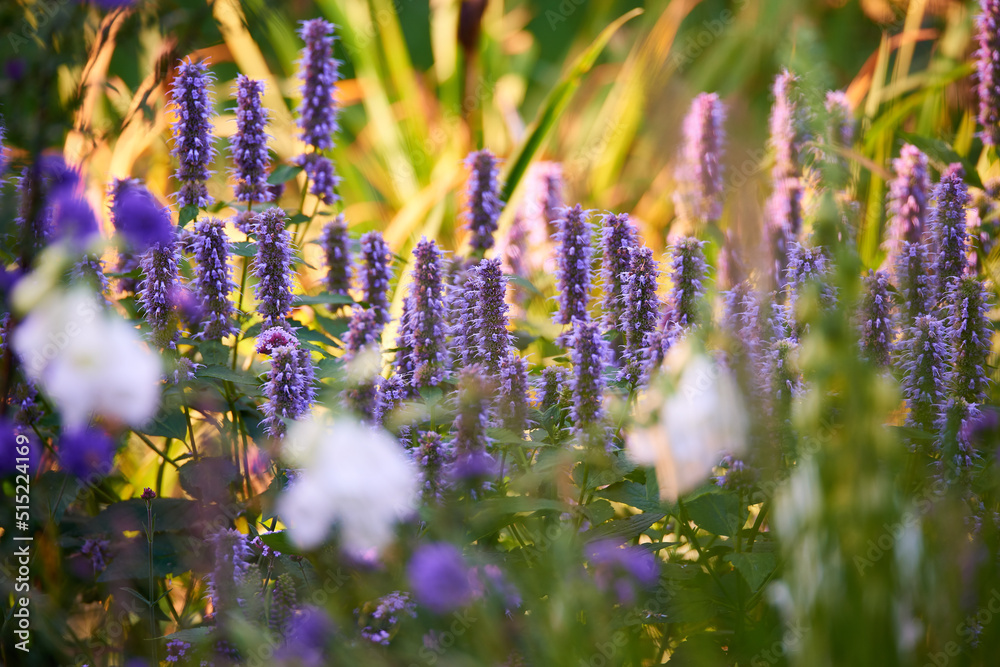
(249, 145)
(788, 135)
(273, 268)
(551, 387)
(318, 109)
(840, 128)
(512, 408)
(641, 314)
(375, 275)
(589, 356)
(471, 440)
(925, 371)
(687, 274)
(619, 237)
(483, 194)
(948, 228)
(193, 141)
(907, 205)
(427, 326)
(574, 268)
(285, 390)
(914, 285)
(362, 334)
(490, 315)
(988, 70)
(337, 252)
(158, 292)
(213, 283)
(462, 318)
(698, 197)
(972, 336)
(877, 329)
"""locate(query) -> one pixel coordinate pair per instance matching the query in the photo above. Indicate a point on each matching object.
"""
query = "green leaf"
(226, 373)
(716, 513)
(633, 494)
(755, 567)
(136, 594)
(599, 511)
(624, 529)
(319, 299)
(283, 173)
(186, 215)
(244, 248)
(556, 102)
(168, 425)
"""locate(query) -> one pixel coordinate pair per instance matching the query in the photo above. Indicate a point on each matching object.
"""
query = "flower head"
(214, 282)
(641, 313)
(319, 71)
(191, 96)
(877, 328)
(619, 237)
(433, 455)
(376, 273)
(551, 388)
(248, 145)
(273, 268)
(73, 218)
(158, 293)
(483, 195)
(590, 357)
(427, 326)
(336, 246)
(512, 399)
(141, 221)
(840, 121)
(474, 395)
(925, 371)
(948, 228)
(574, 264)
(988, 70)
(913, 281)
(440, 578)
(698, 197)
(788, 128)
(971, 335)
(286, 390)
(619, 568)
(490, 314)
(908, 195)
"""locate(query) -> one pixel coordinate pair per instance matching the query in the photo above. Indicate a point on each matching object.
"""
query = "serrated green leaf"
(186, 215)
(624, 529)
(283, 173)
(716, 513)
(755, 567)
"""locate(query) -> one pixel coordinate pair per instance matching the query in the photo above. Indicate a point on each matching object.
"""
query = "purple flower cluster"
(590, 357)
(988, 70)
(913, 282)
(971, 334)
(389, 611)
(440, 578)
(784, 207)
(248, 145)
(490, 315)
(471, 440)
(193, 142)
(688, 273)
(87, 453)
(158, 293)
(619, 236)
(512, 399)
(140, 220)
(426, 325)
(364, 333)
(907, 203)
(877, 327)
(698, 197)
(641, 314)
(483, 195)
(461, 308)
(318, 109)
(574, 264)
(283, 605)
(948, 228)
(551, 387)
(375, 275)
(273, 268)
(617, 568)
(840, 120)
(925, 371)
(336, 246)
(287, 389)
(214, 282)
(433, 456)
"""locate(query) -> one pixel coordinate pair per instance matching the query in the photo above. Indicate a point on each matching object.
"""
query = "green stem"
(150, 444)
(152, 585)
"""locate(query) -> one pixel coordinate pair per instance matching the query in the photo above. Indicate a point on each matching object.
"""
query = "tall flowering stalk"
(574, 264)
(427, 326)
(907, 202)
(512, 399)
(925, 371)
(741, 321)
(336, 245)
(490, 315)
(248, 145)
(363, 334)
(375, 275)
(788, 135)
(641, 313)
(471, 440)
(840, 123)
(273, 268)
(551, 387)
(687, 274)
(483, 195)
(462, 318)
(286, 392)
(698, 197)
(619, 237)
(318, 109)
(971, 335)
(877, 329)
(948, 228)
(213, 282)
(193, 142)
(403, 361)
(805, 264)
(158, 293)
(988, 70)
(913, 282)
(589, 356)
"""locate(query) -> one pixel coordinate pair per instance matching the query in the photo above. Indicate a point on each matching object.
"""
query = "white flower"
(355, 476)
(88, 361)
(702, 420)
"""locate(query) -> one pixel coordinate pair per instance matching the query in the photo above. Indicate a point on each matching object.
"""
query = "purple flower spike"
(462, 318)
(954, 427)
(988, 70)
(914, 285)
(375, 275)
(698, 197)
(551, 387)
(589, 356)
(249, 145)
(439, 577)
(490, 315)
(158, 293)
(72, 217)
(403, 361)
(687, 275)
(512, 400)
(214, 282)
(323, 178)
(364, 333)
(483, 195)
(925, 371)
(641, 314)
(137, 216)
(320, 74)
(86, 453)
(788, 135)
(619, 237)
(877, 328)
(427, 326)
(193, 142)
(948, 228)
(907, 205)
(285, 391)
(273, 268)
(474, 396)
(972, 337)
(840, 128)
(619, 568)
(432, 456)
(336, 246)
(574, 268)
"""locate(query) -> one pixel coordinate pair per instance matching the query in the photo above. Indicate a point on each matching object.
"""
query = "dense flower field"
(242, 428)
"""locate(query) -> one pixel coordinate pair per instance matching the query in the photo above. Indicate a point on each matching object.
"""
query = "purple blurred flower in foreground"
(309, 635)
(73, 218)
(620, 568)
(140, 220)
(439, 577)
(86, 452)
